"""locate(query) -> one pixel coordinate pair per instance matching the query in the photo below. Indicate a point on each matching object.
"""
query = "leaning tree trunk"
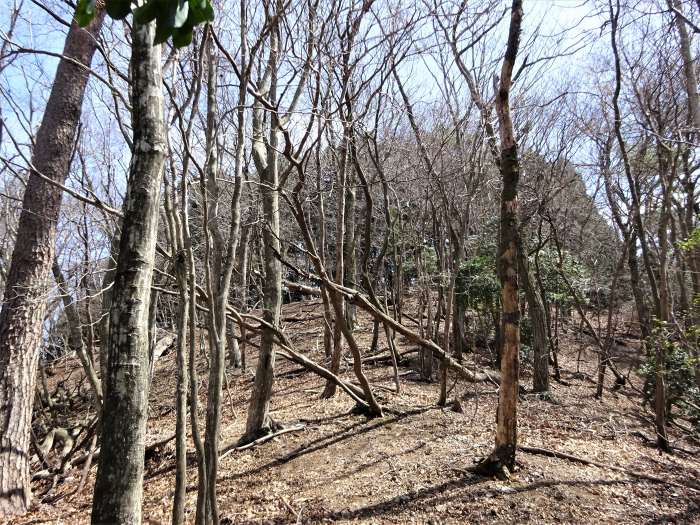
(502, 459)
(27, 281)
(119, 483)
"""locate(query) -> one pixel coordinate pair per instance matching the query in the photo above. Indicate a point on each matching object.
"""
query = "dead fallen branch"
(384, 356)
(633, 473)
(356, 298)
(351, 390)
(267, 437)
(300, 318)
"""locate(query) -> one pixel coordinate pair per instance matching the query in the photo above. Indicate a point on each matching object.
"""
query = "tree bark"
(181, 398)
(691, 80)
(119, 484)
(27, 280)
(503, 456)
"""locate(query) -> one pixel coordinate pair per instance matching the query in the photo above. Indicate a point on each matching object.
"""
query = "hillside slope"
(411, 465)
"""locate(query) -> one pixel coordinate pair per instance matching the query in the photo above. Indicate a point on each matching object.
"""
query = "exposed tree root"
(500, 463)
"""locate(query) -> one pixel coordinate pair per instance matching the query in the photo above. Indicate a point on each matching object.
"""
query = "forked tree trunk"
(265, 155)
(24, 300)
(119, 484)
(502, 459)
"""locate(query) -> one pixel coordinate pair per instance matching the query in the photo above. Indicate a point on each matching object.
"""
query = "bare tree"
(502, 459)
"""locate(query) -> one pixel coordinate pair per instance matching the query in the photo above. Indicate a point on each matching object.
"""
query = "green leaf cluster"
(693, 241)
(477, 283)
(678, 367)
(174, 19)
(555, 288)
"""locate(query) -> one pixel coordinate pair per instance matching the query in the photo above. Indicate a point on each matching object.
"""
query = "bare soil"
(411, 466)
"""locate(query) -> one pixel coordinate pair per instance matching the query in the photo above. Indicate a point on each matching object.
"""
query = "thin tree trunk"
(604, 356)
(691, 80)
(350, 252)
(540, 379)
(75, 337)
(106, 304)
(220, 258)
(665, 301)
(340, 250)
(179, 260)
(502, 459)
(181, 397)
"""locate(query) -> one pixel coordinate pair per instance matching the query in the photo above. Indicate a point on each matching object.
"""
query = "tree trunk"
(502, 459)
(540, 379)
(27, 280)
(75, 337)
(106, 300)
(691, 80)
(340, 250)
(665, 301)
(119, 484)
(266, 156)
(181, 397)
(349, 243)
(643, 315)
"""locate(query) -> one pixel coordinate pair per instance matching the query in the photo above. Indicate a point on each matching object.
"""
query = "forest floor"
(411, 466)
